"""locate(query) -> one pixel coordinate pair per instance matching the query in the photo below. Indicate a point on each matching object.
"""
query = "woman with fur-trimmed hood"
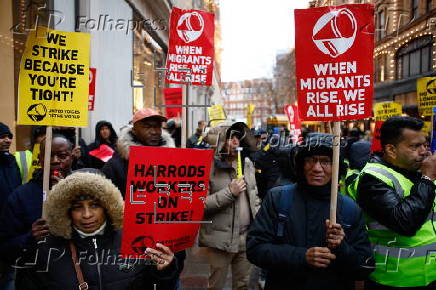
(84, 215)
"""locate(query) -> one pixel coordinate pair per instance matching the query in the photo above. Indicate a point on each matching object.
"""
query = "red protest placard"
(191, 47)
(91, 97)
(173, 96)
(334, 62)
(294, 120)
(165, 194)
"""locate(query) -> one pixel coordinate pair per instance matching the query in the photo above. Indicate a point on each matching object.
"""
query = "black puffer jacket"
(404, 216)
(107, 271)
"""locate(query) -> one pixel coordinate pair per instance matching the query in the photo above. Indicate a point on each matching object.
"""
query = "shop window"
(148, 57)
(428, 5)
(381, 25)
(414, 58)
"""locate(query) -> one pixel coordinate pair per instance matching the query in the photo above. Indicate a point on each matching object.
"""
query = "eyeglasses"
(311, 161)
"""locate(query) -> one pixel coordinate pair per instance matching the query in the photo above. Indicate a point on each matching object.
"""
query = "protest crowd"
(271, 223)
(301, 201)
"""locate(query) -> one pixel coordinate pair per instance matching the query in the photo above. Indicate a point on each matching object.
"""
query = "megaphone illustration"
(334, 32)
(190, 26)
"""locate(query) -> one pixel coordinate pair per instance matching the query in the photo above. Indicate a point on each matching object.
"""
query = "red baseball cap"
(147, 113)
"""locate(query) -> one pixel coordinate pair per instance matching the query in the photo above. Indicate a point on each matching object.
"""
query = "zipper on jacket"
(100, 285)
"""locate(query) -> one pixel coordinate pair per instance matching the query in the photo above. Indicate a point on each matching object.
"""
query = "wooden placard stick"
(184, 124)
(335, 170)
(46, 172)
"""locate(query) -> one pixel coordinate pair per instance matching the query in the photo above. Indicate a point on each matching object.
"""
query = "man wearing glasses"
(292, 238)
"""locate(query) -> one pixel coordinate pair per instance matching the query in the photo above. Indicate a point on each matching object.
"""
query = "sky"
(253, 32)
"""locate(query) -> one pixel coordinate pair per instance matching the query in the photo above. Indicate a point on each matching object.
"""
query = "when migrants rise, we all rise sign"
(334, 62)
(54, 79)
(191, 47)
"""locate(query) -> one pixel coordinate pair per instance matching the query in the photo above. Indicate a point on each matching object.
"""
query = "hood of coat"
(216, 136)
(98, 140)
(127, 139)
(317, 144)
(60, 199)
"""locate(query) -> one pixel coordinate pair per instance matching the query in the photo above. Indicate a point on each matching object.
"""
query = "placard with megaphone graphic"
(334, 49)
(334, 32)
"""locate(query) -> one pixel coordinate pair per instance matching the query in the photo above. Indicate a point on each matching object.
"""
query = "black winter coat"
(116, 170)
(54, 268)
(404, 216)
(23, 207)
(285, 260)
(9, 176)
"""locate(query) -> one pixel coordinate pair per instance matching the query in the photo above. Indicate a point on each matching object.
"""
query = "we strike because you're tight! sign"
(334, 62)
(54, 79)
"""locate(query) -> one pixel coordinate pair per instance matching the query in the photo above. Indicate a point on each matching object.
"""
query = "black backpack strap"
(348, 211)
(285, 199)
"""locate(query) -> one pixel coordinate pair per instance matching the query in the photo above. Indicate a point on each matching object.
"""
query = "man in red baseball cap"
(146, 130)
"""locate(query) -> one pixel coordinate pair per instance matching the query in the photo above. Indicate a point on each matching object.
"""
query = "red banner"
(294, 120)
(165, 194)
(91, 96)
(173, 96)
(376, 144)
(191, 47)
(334, 62)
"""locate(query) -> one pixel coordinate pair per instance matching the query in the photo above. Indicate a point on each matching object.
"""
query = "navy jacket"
(9, 176)
(23, 207)
(305, 228)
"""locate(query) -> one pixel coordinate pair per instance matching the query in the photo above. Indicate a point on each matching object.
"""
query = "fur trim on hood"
(127, 139)
(216, 136)
(61, 196)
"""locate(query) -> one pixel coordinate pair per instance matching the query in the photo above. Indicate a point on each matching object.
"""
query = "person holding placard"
(145, 131)
(231, 205)
(84, 215)
(9, 180)
(24, 206)
(292, 238)
(397, 193)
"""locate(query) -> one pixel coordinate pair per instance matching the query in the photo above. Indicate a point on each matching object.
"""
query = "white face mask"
(98, 232)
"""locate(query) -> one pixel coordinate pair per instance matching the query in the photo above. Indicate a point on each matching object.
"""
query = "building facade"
(405, 48)
(238, 95)
(129, 42)
(284, 81)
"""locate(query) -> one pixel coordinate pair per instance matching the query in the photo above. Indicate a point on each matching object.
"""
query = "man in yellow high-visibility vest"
(397, 193)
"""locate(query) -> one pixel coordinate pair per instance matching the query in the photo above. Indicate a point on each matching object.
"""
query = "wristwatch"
(427, 178)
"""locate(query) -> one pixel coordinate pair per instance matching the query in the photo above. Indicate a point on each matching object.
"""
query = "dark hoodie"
(95, 162)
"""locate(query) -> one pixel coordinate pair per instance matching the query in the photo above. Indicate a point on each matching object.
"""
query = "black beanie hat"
(4, 129)
(317, 144)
